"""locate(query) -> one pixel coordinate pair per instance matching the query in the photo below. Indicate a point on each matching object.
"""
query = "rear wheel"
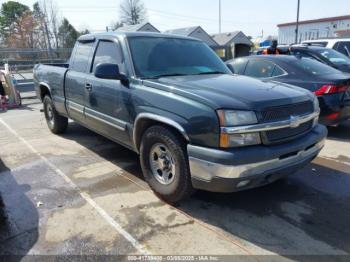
(164, 164)
(56, 123)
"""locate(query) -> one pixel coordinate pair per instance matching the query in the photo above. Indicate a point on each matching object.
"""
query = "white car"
(342, 45)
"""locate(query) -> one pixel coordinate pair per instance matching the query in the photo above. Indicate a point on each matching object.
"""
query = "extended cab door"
(75, 83)
(106, 100)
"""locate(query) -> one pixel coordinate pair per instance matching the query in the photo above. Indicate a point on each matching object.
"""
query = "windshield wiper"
(165, 75)
(211, 73)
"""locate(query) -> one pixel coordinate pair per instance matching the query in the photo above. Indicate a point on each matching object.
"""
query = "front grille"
(285, 134)
(279, 113)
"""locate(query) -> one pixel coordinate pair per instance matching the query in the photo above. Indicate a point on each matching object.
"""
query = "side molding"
(160, 119)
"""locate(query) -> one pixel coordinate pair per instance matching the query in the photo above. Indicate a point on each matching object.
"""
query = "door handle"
(88, 86)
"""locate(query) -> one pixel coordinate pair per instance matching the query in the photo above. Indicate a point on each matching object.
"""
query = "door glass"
(259, 69)
(108, 52)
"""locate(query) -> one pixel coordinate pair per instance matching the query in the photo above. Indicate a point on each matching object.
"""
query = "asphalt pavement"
(81, 194)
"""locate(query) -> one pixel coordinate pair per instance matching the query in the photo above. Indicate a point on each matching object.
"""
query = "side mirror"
(109, 71)
(231, 68)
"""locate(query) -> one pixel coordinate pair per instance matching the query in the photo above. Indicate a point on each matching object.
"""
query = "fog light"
(243, 183)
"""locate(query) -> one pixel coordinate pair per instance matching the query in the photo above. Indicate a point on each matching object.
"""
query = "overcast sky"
(250, 16)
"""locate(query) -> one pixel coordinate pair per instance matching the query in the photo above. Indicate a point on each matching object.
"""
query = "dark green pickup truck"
(173, 101)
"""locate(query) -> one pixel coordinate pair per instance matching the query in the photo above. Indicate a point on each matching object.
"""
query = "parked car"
(172, 100)
(341, 45)
(331, 86)
(324, 55)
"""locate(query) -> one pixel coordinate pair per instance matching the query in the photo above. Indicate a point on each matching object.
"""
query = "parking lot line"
(138, 246)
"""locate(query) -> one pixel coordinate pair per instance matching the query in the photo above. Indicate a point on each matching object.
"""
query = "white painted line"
(137, 245)
(335, 160)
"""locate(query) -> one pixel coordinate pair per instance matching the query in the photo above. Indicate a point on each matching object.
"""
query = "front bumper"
(242, 168)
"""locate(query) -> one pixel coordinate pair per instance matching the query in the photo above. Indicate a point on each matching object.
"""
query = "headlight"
(239, 140)
(230, 118)
(316, 105)
(236, 118)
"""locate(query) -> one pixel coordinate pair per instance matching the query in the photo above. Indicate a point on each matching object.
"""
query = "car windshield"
(314, 67)
(334, 56)
(155, 57)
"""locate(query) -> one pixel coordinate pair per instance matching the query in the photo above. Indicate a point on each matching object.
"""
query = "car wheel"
(56, 123)
(164, 163)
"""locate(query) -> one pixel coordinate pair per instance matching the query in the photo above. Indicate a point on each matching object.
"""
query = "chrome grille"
(284, 113)
(285, 134)
(279, 113)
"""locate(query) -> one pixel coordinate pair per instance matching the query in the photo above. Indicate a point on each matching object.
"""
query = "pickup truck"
(173, 101)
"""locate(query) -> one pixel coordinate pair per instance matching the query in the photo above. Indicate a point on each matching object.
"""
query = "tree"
(68, 34)
(10, 12)
(116, 25)
(23, 35)
(132, 12)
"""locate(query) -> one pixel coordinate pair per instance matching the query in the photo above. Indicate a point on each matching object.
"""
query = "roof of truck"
(109, 35)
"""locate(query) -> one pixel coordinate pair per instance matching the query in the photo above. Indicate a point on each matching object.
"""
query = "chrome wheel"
(162, 164)
(50, 114)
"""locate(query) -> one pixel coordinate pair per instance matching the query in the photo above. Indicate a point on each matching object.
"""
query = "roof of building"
(186, 31)
(135, 28)
(224, 38)
(320, 20)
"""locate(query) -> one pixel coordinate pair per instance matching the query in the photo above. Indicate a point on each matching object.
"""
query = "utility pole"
(219, 16)
(297, 24)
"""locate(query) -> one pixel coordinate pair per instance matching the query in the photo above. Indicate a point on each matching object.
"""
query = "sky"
(250, 16)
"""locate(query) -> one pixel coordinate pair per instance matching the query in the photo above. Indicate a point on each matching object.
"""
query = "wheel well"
(44, 90)
(144, 124)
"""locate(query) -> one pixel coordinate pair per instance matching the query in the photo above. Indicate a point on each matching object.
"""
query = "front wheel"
(164, 164)
(56, 123)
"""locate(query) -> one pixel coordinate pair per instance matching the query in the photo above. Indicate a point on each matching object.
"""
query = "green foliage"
(10, 12)
(68, 34)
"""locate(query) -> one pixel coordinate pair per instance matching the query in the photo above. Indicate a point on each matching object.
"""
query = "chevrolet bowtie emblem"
(295, 121)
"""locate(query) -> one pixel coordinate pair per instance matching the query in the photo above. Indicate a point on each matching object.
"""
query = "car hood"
(231, 91)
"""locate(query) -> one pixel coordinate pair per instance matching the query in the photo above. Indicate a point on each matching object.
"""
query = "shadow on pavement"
(306, 213)
(340, 133)
(19, 218)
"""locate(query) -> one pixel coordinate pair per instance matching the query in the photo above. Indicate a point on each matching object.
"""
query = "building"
(314, 29)
(232, 45)
(144, 27)
(196, 32)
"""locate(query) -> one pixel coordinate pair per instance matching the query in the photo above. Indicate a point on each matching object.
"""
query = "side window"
(344, 48)
(108, 52)
(278, 71)
(239, 65)
(81, 57)
(259, 69)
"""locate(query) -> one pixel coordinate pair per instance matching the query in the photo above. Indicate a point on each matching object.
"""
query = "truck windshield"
(155, 57)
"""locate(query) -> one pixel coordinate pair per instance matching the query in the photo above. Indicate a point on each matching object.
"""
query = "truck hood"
(231, 91)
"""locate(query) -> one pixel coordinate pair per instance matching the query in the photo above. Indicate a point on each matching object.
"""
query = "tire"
(178, 186)
(56, 123)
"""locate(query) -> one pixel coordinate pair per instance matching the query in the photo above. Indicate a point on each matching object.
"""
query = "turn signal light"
(330, 89)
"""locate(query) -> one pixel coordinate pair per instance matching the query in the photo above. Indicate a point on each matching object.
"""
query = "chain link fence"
(24, 59)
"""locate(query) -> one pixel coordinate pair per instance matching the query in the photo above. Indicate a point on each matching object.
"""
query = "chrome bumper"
(205, 170)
